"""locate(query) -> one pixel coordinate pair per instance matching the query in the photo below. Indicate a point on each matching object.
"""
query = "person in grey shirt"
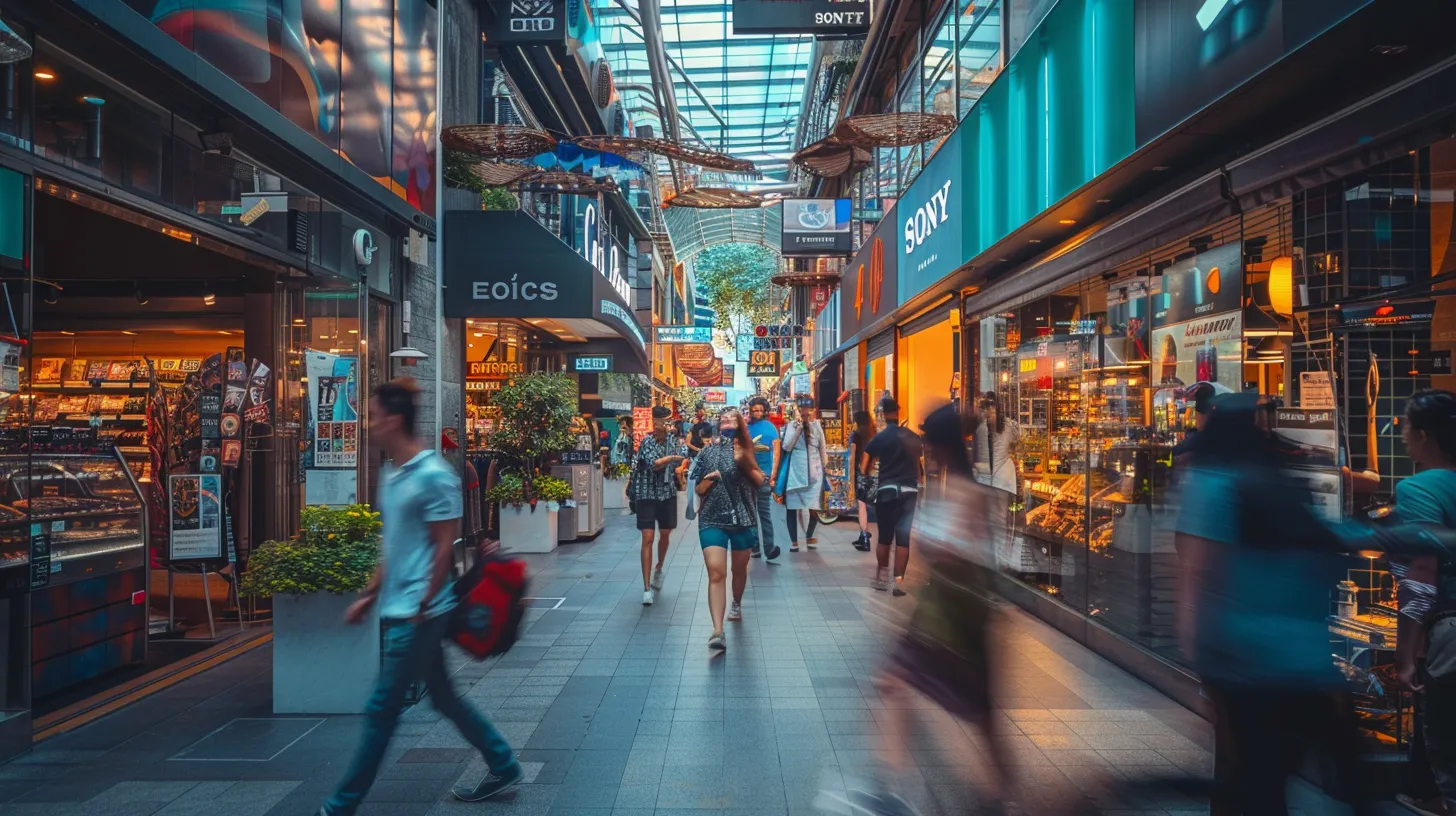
(420, 505)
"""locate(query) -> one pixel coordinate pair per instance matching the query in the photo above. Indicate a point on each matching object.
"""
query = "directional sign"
(763, 364)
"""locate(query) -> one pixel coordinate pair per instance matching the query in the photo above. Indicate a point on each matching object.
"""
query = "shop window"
(978, 51)
(90, 124)
(15, 84)
(325, 393)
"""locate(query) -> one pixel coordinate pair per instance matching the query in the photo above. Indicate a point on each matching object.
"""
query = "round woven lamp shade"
(498, 141)
(894, 129)
(716, 198)
(558, 181)
(829, 158)
(495, 174)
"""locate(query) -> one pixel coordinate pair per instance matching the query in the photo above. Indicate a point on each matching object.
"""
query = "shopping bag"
(491, 603)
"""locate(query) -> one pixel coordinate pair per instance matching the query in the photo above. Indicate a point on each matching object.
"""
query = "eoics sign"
(801, 16)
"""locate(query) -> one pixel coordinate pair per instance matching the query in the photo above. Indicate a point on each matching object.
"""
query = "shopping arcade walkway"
(620, 710)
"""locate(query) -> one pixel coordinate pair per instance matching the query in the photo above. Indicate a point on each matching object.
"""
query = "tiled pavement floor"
(620, 710)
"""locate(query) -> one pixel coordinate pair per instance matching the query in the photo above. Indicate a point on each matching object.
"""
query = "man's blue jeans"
(413, 651)
(765, 501)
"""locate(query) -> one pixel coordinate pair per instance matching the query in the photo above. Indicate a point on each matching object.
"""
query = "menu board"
(195, 519)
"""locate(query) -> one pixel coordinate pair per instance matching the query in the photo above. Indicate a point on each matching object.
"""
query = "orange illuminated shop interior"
(127, 326)
(495, 351)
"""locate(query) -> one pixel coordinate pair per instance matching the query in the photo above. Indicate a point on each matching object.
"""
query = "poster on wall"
(333, 401)
(641, 425)
(1197, 333)
(1309, 450)
(195, 516)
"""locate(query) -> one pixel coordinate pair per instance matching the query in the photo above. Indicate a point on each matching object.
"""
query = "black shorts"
(657, 513)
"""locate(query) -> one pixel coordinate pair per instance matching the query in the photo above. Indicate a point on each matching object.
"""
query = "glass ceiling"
(694, 230)
(756, 83)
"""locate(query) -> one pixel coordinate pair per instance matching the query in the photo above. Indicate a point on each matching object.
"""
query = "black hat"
(889, 406)
(661, 412)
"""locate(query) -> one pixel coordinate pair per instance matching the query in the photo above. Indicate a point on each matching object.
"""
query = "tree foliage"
(736, 279)
(537, 411)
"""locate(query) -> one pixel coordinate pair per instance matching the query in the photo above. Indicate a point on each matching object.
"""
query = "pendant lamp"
(13, 47)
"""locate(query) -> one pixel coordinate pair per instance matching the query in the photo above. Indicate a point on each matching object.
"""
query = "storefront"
(190, 343)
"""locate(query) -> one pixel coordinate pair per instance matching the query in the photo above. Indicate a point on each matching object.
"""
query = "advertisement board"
(195, 515)
(684, 334)
(1198, 322)
(822, 17)
(333, 418)
(715, 395)
(871, 286)
(930, 220)
(816, 226)
(763, 364)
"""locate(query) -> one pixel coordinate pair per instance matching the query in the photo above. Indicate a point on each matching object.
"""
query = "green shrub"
(511, 490)
(336, 550)
(618, 470)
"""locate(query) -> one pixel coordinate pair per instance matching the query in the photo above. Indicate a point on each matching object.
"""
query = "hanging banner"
(333, 398)
(641, 425)
(195, 517)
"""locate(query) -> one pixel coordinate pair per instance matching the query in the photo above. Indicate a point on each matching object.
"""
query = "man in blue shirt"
(766, 450)
(420, 504)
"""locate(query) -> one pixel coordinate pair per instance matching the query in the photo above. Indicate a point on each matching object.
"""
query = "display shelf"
(72, 388)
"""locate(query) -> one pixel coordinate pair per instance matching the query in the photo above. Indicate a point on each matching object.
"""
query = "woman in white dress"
(805, 457)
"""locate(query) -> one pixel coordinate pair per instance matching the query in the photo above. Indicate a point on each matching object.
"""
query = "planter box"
(322, 665)
(614, 494)
(523, 530)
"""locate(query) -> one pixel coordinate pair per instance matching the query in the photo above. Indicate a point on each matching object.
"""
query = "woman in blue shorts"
(727, 478)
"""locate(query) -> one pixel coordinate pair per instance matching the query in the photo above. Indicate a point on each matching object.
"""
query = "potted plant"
(537, 411)
(321, 665)
(614, 491)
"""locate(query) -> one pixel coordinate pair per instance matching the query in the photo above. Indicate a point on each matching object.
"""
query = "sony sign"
(924, 221)
(609, 264)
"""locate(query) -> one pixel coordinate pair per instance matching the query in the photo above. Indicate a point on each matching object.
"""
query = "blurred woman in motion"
(944, 654)
(1259, 567)
(864, 486)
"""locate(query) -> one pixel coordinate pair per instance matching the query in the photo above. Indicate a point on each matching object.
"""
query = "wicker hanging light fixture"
(894, 129)
(568, 183)
(830, 158)
(717, 198)
(498, 141)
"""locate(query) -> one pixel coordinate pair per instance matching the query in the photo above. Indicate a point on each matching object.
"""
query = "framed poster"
(195, 517)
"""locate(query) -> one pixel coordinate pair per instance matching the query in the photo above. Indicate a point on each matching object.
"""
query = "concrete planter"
(614, 494)
(322, 665)
(523, 530)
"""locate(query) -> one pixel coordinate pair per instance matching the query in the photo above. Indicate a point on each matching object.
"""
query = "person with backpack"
(420, 506)
(898, 452)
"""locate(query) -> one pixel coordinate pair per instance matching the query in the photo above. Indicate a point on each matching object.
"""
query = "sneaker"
(879, 584)
(812, 543)
(648, 596)
(794, 547)
(735, 611)
(491, 785)
(657, 579)
(716, 642)
(757, 553)
(899, 586)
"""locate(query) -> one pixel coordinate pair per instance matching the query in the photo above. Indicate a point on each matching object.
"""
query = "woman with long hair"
(727, 479)
(995, 444)
(804, 459)
(945, 654)
(864, 486)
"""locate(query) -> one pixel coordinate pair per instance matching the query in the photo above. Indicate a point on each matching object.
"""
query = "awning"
(506, 265)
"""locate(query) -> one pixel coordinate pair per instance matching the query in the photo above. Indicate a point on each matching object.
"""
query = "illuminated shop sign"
(611, 309)
(685, 334)
(801, 16)
(592, 362)
(608, 262)
(484, 370)
(1387, 314)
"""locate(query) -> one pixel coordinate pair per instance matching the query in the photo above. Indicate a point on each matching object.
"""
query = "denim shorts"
(732, 538)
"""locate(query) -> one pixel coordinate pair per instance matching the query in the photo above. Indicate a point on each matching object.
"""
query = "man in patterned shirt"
(653, 490)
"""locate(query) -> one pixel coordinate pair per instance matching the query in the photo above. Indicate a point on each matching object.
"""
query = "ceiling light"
(209, 299)
(1066, 222)
(1158, 168)
(353, 331)
(68, 333)
(298, 321)
(224, 331)
(1104, 201)
(93, 100)
(44, 76)
(128, 333)
(1034, 241)
(141, 296)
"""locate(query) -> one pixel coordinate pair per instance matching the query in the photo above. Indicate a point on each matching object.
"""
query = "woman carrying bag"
(801, 481)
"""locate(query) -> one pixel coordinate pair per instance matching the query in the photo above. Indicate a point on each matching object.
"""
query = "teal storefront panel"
(12, 214)
(1060, 114)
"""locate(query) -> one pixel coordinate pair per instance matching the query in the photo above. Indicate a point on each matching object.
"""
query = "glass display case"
(88, 508)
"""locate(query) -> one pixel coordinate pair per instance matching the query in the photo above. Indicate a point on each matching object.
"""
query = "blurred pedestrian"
(1263, 655)
(420, 506)
(803, 462)
(727, 477)
(898, 451)
(864, 485)
(764, 436)
(653, 489)
(945, 653)
(701, 433)
(1428, 497)
(995, 443)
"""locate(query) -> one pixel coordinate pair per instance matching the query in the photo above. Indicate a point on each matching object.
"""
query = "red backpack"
(492, 602)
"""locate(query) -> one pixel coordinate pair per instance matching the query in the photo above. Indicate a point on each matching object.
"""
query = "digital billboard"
(816, 226)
